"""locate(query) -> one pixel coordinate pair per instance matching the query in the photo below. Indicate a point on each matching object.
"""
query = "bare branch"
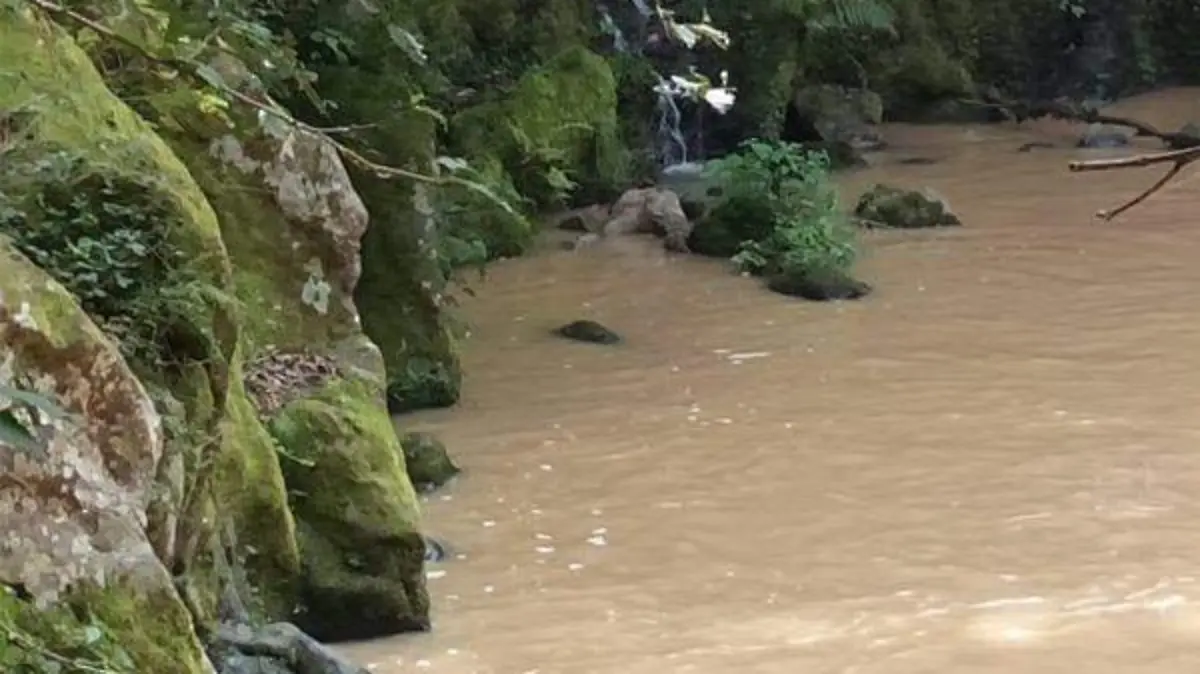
(1177, 158)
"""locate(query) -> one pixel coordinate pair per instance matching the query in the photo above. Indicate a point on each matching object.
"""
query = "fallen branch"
(269, 108)
(1020, 111)
(1178, 159)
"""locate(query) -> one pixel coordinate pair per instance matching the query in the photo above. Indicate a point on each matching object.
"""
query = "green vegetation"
(777, 214)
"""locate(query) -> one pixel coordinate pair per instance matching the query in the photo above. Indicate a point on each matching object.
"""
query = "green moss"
(357, 515)
(250, 484)
(561, 115)
(117, 629)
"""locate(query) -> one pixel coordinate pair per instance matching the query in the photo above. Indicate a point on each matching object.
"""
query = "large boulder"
(74, 506)
(840, 116)
(294, 234)
(650, 210)
(358, 514)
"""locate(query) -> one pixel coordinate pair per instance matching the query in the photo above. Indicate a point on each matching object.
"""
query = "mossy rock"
(428, 463)
(561, 114)
(118, 629)
(820, 285)
(886, 206)
(357, 516)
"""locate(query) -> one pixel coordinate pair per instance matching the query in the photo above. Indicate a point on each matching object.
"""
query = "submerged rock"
(892, 207)
(427, 461)
(819, 286)
(1103, 136)
(1035, 145)
(435, 550)
(588, 331)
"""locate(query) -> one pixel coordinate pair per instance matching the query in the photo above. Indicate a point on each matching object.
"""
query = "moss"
(428, 463)
(116, 629)
(250, 484)
(561, 115)
(357, 515)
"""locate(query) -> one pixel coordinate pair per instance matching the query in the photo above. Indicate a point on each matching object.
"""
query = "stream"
(986, 466)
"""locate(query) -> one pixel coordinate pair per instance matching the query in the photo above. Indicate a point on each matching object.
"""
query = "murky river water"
(990, 465)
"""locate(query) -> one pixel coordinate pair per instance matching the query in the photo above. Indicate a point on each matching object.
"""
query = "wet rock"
(891, 207)
(581, 242)
(651, 210)
(588, 331)
(587, 219)
(357, 516)
(1035, 145)
(819, 286)
(435, 550)
(278, 648)
(840, 115)
(428, 463)
(1100, 136)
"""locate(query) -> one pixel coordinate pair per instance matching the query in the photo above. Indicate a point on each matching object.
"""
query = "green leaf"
(208, 74)
(49, 407)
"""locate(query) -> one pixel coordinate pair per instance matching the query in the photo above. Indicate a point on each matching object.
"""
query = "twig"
(380, 170)
(1177, 158)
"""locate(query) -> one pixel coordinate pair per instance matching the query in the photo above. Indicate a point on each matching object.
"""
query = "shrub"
(778, 211)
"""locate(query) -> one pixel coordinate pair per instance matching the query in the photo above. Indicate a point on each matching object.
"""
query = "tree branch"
(269, 108)
(1177, 158)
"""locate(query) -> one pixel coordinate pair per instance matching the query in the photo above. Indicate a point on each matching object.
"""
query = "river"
(989, 465)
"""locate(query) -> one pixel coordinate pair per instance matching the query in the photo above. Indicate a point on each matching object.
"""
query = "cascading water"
(671, 146)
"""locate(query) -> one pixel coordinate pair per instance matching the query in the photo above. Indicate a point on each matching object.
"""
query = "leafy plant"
(778, 199)
(105, 237)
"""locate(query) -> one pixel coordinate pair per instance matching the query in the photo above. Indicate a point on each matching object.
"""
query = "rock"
(819, 286)
(428, 463)
(1035, 145)
(917, 161)
(887, 206)
(841, 115)
(650, 210)
(435, 550)
(581, 242)
(1103, 136)
(74, 507)
(279, 648)
(588, 331)
(589, 219)
(357, 516)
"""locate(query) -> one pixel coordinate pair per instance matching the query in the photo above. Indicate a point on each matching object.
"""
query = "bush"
(778, 212)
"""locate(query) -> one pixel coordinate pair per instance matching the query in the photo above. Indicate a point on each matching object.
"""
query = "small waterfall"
(671, 146)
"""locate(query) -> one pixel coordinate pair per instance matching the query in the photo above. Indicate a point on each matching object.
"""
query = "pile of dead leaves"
(276, 378)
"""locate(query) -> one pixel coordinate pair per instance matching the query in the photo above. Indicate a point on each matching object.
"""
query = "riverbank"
(988, 461)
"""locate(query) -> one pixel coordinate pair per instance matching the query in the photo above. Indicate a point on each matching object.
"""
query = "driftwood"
(1182, 148)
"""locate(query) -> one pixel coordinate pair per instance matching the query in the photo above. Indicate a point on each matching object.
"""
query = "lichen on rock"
(75, 515)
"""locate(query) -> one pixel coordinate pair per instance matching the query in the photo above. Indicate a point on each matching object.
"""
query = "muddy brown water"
(990, 465)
